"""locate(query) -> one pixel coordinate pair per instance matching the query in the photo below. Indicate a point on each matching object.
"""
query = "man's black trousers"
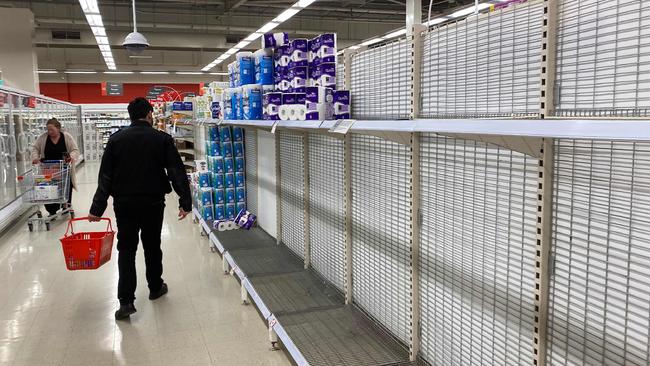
(138, 220)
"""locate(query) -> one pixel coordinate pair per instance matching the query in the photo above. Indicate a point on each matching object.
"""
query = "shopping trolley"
(47, 183)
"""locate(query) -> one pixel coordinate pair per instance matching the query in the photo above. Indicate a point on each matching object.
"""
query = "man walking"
(137, 166)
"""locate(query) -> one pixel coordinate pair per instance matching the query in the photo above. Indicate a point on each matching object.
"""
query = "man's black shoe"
(124, 311)
(163, 290)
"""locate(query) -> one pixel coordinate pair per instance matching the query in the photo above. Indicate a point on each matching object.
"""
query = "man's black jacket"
(138, 164)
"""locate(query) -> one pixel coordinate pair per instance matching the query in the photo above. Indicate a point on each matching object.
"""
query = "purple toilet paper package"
(299, 53)
(298, 77)
(314, 47)
(327, 48)
(342, 104)
(326, 75)
(289, 98)
(301, 98)
(274, 40)
(271, 106)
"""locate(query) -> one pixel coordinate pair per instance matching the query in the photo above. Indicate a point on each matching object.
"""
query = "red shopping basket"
(87, 250)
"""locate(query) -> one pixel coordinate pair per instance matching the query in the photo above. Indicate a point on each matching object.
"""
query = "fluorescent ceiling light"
(102, 40)
(118, 72)
(48, 72)
(99, 31)
(189, 73)
(94, 20)
(286, 15)
(105, 48)
(89, 6)
(435, 21)
(241, 45)
(253, 37)
(268, 27)
(154, 72)
(80, 72)
(219, 73)
(372, 41)
(468, 11)
(304, 3)
(398, 33)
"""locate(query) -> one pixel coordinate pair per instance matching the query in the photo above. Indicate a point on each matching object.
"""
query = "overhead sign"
(112, 89)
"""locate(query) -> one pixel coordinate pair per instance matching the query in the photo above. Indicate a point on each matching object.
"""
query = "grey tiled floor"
(51, 316)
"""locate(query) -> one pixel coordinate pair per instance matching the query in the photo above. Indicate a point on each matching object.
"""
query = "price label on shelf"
(275, 125)
(342, 126)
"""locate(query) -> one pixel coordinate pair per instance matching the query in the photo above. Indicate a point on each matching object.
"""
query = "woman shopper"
(56, 145)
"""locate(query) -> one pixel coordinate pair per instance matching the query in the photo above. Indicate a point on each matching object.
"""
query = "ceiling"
(188, 34)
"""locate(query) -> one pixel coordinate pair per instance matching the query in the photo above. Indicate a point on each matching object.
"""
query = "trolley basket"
(87, 250)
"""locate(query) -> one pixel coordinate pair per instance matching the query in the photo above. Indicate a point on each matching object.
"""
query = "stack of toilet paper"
(319, 103)
(274, 40)
(263, 67)
(293, 107)
(251, 101)
(272, 101)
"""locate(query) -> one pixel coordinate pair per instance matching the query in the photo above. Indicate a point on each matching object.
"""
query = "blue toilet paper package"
(231, 212)
(219, 197)
(229, 165)
(218, 181)
(241, 194)
(238, 149)
(208, 213)
(225, 135)
(263, 67)
(220, 212)
(230, 180)
(213, 148)
(246, 67)
(217, 164)
(226, 149)
(214, 133)
(237, 134)
(204, 179)
(252, 102)
(231, 195)
(240, 179)
(206, 196)
(240, 165)
(241, 206)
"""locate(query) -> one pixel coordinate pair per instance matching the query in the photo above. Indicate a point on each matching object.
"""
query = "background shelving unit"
(100, 121)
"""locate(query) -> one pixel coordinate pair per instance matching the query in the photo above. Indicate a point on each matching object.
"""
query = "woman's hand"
(36, 161)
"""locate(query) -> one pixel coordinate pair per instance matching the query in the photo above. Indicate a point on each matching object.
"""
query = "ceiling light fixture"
(283, 17)
(48, 72)
(118, 72)
(188, 73)
(154, 72)
(80, 72)
(94, 18)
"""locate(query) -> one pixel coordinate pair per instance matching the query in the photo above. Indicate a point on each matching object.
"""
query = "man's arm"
(177, 175)
(100, 201)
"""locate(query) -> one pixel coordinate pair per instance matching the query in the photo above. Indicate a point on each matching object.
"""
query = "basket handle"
(70, 229)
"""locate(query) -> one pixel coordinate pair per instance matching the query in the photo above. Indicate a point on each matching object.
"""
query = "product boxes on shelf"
(218, 181)
(298, 77)
(230, 180)
(264, 67)
(212, 148)
(225, 134)
(252, 102)
(238, 149)
(213, 133)
(217, 164)
(240, 194)
(205, 194)
(240, 165)
(219, 196)
(240, 179)
(241, 206)
(342, 104)
(299, 53)
(226, 149)
(327, 48)
(271, 106)
(219, 212)
(204, 179)
(273, 40)
(231, 195)
(229, 165)
(227, 97)
(324, 75)
(231, 211)
(319, 103)
(207, 212)
(237, 134)
(246, 67)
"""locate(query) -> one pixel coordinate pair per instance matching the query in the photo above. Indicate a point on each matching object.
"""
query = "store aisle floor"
(51, 316)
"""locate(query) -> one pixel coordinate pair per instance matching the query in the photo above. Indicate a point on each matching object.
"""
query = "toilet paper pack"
(240, 165)
(298, 77)
(274, 40)
(327, 48)
(252, 102)
(217, 165)
(219, 212)
(238, 149)
(299, 53)
(227, 103)
(246, 67)
(271, 106)
(314, 45)
(217, 181)
(226, 151)
(230, 195)
(206, 196)
(284, 55)
(230, 180)
(237, 134)
(240, 180)
(231, 211)
(342, 104)
(229, 165)
(204, 179)
(326, 75)
(263, 67)
(213, 132)
(240, 194)
(319, 103)
(241, 206)
(219, 196)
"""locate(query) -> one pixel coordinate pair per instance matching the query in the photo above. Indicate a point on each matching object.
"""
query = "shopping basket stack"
(87, 250)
